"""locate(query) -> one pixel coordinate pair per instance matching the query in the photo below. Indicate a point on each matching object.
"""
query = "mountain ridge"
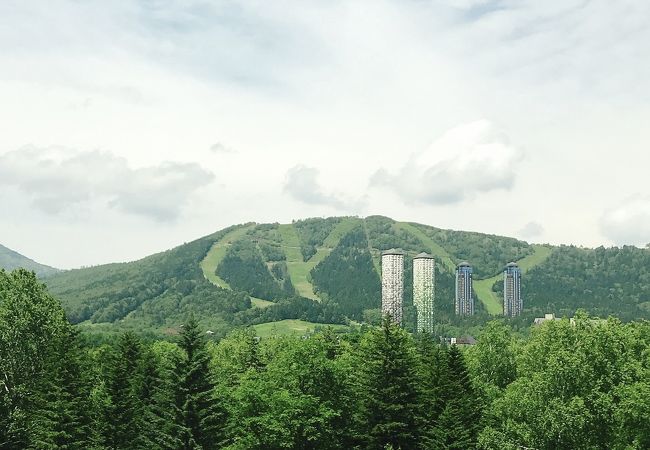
(11, 259)
(327, 270)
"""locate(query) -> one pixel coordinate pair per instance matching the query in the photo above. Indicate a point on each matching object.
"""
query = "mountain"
(328, 270)
(10, 259)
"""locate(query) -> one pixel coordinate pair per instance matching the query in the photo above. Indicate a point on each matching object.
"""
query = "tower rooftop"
(464, 264)
(393, 251)
(423, 255)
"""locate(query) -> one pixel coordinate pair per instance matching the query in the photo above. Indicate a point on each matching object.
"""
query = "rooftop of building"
(511, 264)
(393, 251)
(464, 264)
(423, 255)
(463, 340)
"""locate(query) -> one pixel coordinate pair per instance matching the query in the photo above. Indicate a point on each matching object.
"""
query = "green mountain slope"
(10, 260)
(484, 288)
(156, 291)
(216, 254)
(305, 251)
(326, 270)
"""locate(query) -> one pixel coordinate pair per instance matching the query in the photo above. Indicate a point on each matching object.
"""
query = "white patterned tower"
(424, 290)
(464, 298)
(392, 284)
(512, 303)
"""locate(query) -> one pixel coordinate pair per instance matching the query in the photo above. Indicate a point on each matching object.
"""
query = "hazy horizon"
(132, 127)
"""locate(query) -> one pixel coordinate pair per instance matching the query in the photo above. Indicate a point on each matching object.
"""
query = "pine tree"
(158, 406)
(125, 420)
(388, 389)
(200, 418)
(432, 378)
(457, 426)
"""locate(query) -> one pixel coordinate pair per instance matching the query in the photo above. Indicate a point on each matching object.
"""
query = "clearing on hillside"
(292, 326)
(299, 269)
(483, 288)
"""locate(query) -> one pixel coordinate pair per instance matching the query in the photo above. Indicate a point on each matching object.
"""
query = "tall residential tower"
(392, 284)
(424, 290)
(464, 298)
(512, 303)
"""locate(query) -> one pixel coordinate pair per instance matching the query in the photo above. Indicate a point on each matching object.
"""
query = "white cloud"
(531, 230)
(301, 183)
(218, 147)
(629, 222)
(467, 160)
(59, 179)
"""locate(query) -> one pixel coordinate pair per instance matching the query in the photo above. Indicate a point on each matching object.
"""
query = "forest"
(580, 385)
(606, 280)
(160, 291)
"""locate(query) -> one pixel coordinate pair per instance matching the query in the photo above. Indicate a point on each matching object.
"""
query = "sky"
(131, 126)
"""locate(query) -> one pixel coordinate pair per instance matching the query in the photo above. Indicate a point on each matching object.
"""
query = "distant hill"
(10, 259)
(328, 271)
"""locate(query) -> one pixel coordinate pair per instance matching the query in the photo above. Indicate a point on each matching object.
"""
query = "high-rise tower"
(392, 284)
(424, 290)
(512, 303)
(464, 298)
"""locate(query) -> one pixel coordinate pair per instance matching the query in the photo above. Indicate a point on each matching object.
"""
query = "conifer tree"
(159, 409)
(123, 385)
(388, 389)
(432, 380)
(200, 418)
(457, 426)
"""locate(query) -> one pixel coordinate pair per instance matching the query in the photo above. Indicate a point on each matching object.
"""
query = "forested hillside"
(328, 271)
(157, 290)
(604, 281)
(10, 260)
(581, 385)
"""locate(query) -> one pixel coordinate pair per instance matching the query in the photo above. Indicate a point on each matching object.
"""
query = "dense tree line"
(244, 269)
(313, 232)
(111, 292)
(269, 241)
(603, 280)
(383, 235)
(347, 276)
(486, 252)
(302, 308)
(581, 386)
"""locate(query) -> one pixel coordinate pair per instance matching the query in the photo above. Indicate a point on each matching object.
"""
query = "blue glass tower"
(512, 302)
(464, 299)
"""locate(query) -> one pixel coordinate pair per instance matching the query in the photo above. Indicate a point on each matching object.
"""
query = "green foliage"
(113, 291)
(313, 232)
(387, 413)
(200, 416)
(458, 422)
(487, 253)
(581, 385)
(603, 281)
(384, 235)
(297, 401)
(125, 414)
(294, 308)
(268, 239)
(42, 385)
(577, 386)
(347, 277)
(492, 360)
(244, 269)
